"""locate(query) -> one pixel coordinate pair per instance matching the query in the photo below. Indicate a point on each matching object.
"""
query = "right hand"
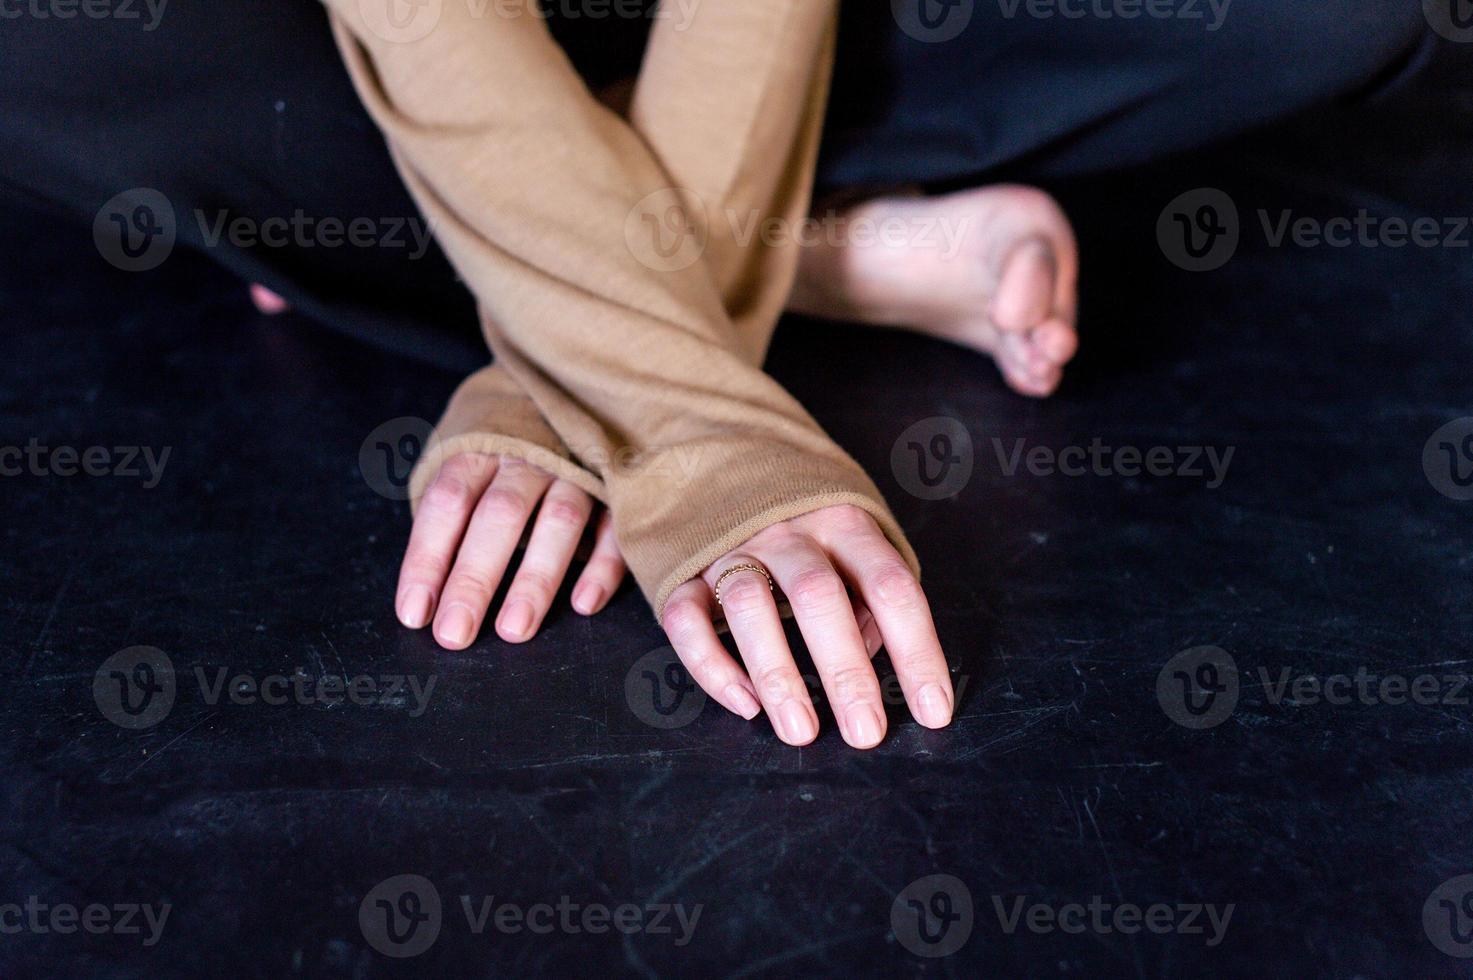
(850, 591)
(465, 533)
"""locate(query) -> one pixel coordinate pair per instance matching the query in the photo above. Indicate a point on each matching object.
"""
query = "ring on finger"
(746, 566)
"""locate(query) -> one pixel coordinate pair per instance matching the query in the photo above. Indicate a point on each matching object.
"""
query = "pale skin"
(1008, 290)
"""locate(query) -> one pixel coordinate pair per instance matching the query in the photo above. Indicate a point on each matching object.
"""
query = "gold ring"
(743, 567)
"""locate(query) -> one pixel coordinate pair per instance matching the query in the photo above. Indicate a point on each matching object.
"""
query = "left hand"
(465, 535)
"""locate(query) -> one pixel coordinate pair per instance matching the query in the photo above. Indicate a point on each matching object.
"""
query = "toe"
(1025, 289)
(1025, 369)
(266, 301)
(1054, 341)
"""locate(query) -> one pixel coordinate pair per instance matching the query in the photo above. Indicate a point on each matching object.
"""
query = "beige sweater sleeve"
(490, 413)
(641, 352)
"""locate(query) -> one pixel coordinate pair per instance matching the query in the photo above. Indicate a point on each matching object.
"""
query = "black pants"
(240, 107)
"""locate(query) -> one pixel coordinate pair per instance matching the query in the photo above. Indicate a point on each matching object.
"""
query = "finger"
(439, 525)
(820, 602)
(560, 522)
(495, 528)
(752, 617)
(900, 608)
(687, 621)
(605, 570)
(868, 628)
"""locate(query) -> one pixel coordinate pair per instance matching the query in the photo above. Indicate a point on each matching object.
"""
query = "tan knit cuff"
(489, 413)
(721, 500)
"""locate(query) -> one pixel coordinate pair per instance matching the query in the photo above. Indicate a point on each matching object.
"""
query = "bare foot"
(266, 301)
(995, 269)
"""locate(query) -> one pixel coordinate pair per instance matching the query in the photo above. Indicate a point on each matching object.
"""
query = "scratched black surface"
(529, 778)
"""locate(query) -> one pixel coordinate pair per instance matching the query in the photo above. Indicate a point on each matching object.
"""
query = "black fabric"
(263, 551)
(241, 107)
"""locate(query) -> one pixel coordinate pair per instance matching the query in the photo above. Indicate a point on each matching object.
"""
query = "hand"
(815, 560)
(466, 530)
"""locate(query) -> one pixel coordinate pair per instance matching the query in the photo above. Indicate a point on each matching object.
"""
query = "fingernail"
(516, 618)
(797, 726)
(740, 700)
(864, 726)
(587, 597)
(934, 706)
(871, 643)
(457, 625)
(414, 606)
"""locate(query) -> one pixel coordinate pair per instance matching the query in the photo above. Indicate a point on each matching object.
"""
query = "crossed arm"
(646, 380)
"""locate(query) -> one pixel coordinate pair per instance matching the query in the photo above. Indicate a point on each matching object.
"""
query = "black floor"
(530, 777)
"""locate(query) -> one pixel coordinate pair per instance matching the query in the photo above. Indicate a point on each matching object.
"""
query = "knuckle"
(534, 583)
(467, 582)
(604, 568)
(776, 685)
(467, 466)
(447, 492)
(565, 512)
(847, 518)
(853, 685)
(699, 664)
(423, 567)
(817, 586)
(504, 506)
(921, 667)
(895, 586)
(682, 620)
(744, 594)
